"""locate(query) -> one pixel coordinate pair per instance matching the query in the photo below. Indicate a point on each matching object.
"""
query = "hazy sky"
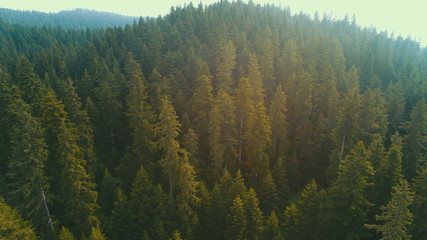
(404, 18)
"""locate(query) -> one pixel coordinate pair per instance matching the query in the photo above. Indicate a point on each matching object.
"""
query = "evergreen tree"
(272, 229)
(254, 218)
(96, 234)
(73, 186)
(236, 221)
(348, 195)
(65, 234)
(26, 173)
(12, 227)
(30, 84)
(225, 67)
(222, 133)
(279, 126)
(415, 143)
(418, 228)
(120, 223)
(396, 216)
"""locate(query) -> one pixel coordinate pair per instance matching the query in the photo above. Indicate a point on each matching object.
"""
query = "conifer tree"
(26, 165)
(141, 117)
(65, 234)
(12, 226)
(268, 196)
(396, 216)
(279, 126)
(236, 221)
(73, 186)
(30, 84)
(225, 67)
(222, 133)
(415, 142)
(245, 110)
(348, 195)
(147, 202)
(389, 172)
(418, 228)
(272, 229)
(395, 105)
(120, 222)
(254, 217)
(80, 118)
(96, 234)
(280, 178)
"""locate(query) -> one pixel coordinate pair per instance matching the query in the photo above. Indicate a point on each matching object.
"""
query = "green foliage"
(26, 165)
(236, 221)
(12, 227)
(396, 216)
(65, 234)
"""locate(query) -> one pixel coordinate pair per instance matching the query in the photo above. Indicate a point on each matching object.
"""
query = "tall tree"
(73, 186)
(396, 216)
(279, 126)
(236, 221)
(415, 142)
(12, 226)
(26, 166)
(225, 67)
(348, 195)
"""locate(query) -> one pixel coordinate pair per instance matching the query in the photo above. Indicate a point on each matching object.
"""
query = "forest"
(70, 19)
(231, 121)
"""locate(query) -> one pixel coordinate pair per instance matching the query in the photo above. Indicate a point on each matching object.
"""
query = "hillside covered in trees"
(72, 19)
(231, 121)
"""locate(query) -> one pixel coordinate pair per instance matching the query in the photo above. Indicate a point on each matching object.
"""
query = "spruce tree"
(396, 216)
(26, 165)
(236, 221)
(415, 142)
(12, 226)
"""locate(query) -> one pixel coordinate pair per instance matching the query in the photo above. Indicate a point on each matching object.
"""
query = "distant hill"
(73, 19)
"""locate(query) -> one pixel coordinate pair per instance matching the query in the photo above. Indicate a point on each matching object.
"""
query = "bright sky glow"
(404, 18)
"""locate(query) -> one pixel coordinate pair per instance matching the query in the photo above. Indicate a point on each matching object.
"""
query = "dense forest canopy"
(228, 121)
(70, 19)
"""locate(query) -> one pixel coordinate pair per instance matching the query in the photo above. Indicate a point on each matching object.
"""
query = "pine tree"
(272, 229)
(348, 195)
(147, 202)
(415, 142)
(168, 131)
(418, 228)
(12, 226)
(141, 117)
(245, 110)
(396, 216)
(268, 194)
(254, 217)
(80, 118)
(280, 178)
(279, 126)
(65, 234)
(26, 165)
(96, 234)
(70, 182)
(389, 172)
(395, 105)
(120, 223)
(222, 133)
(30, 84)
(236, 221)
(258, 143)
(225, 67)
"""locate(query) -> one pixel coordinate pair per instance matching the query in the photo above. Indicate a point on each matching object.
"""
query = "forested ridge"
(230, 121)
(70, 19)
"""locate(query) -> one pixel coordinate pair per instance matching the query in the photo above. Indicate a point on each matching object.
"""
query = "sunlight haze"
(404, 18)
